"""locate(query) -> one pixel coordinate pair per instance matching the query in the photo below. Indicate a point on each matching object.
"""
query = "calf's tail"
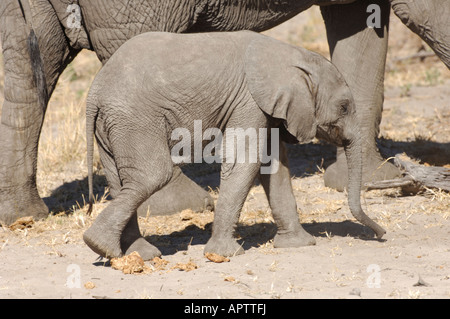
(91, 117)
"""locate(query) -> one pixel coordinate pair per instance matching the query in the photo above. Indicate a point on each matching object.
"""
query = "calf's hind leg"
(115, 231)
(131, 239)
(180, 193)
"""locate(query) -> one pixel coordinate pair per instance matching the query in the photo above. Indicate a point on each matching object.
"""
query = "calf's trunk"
(354, 160)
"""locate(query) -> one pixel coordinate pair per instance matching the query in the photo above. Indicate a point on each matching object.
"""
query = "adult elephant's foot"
(21, 201)
(375, 168)
(299, 238)
(181, 193)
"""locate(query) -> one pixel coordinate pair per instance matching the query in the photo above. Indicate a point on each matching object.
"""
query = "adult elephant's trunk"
(354, 159)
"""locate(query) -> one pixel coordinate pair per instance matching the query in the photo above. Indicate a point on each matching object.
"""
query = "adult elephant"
(52, 32)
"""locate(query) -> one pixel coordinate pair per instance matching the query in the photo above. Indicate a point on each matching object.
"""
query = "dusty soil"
(48, 259)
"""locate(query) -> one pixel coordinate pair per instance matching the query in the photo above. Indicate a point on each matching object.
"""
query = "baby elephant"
(160, 84)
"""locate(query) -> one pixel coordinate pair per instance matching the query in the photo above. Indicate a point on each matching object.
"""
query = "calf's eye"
(344, 108)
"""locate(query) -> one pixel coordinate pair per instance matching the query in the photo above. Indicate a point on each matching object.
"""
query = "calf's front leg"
(235, 183)
(281, 199)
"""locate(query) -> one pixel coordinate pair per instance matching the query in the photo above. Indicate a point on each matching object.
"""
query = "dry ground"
(48, 259)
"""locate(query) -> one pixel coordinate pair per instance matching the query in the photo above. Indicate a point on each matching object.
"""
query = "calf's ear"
(279, 80)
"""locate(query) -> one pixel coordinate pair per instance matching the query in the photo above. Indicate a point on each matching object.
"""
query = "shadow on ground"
(304, 160)
(75, 194)
(253, 236)
(424, 151)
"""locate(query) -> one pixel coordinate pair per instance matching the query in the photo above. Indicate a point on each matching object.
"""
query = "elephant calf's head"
(302, 88)
(335, 107)
(307, 92)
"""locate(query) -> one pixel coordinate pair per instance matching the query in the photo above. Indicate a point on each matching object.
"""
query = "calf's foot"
(103, 239)
(298, 238)
(224, 247)
(132, 240)
(146, 250)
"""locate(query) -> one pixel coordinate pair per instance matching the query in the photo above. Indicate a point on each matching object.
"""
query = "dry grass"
(62, 148)
(62, 155)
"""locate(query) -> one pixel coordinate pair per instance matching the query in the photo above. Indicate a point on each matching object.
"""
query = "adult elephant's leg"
(23, 112)
(179, 194)
(430, 20)
(359, 52)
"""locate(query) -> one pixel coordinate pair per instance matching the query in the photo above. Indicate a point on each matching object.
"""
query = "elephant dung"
(190, 265)
(130, 264)
(89, 285)
(216, 258)
(22, 223)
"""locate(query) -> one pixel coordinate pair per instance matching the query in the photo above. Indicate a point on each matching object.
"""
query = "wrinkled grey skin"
(106, 24)
(158, 82)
